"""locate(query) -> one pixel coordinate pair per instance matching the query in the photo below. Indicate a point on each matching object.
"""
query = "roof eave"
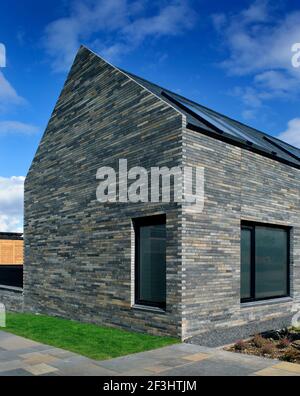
(228, 139)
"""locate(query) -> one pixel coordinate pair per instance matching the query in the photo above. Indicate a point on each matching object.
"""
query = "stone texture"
(292, 367)
(77, 250)
(13, 343)
(149, 363)
(12, 299)
(15, 373)
(39, 369)
(273, 372)
(79, 253)
(196, 357)
(37, 358)
(239, 185)
(210, 367)
(227, 335)
(158, 369)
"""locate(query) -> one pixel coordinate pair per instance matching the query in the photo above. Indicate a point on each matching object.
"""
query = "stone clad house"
(227, 271)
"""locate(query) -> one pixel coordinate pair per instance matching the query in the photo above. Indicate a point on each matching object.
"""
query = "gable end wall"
(78, 252)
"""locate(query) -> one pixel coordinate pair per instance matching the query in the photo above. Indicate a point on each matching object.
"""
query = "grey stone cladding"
(79, 253)
(239, 185)
(12, 299)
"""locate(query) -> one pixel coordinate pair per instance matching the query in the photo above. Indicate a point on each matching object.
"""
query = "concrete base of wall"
(12, 298)
(224, 336)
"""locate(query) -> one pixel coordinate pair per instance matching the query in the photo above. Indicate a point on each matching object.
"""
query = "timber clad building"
(11, 259)
(222, 273)
(11, 248)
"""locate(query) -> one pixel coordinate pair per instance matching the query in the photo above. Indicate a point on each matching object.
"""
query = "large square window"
(264, 261)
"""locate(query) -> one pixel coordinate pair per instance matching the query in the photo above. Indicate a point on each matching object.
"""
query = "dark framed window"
(11, 275)
(150, 261)
(265, 261)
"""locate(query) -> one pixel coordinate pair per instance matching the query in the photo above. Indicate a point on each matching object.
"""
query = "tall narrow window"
(264, 261)
(246, 263)
(150, 255)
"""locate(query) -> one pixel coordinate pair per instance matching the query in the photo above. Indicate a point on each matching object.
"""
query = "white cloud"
(256, 12)
(249, 96)
(249, 114)
(16, 127)
(292, 134)
(275, 81)
(259, 41)
(11, 203)
(84, 20)
(8, 94)
(112, 27)
(171, 20)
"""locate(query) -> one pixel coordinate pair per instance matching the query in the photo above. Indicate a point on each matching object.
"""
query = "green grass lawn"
(96, 342)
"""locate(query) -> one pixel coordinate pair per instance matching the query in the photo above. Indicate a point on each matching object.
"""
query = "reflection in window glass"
(151, 274)
(245, 263)
(264, 262)
(271, 262)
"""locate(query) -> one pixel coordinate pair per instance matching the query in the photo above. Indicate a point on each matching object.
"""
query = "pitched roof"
(217, 125)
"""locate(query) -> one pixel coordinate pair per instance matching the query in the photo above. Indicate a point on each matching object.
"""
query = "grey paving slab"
(173, 362)
(252, 361)
(176, 360)
(60, 353)
(15, 343)
(4, 335)
(72, 361)
(189, 348)
(211, 367)
(10, 365)
(137, 373)
(54, 374)
(175, 351)
(85, 369)
(127, 363)
(15, 373)
(6, 356)
(40, 368)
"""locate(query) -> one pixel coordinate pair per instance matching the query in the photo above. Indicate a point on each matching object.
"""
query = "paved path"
(23, 357)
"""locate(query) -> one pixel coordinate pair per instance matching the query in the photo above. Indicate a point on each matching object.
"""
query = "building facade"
(159, 267)
(11, 259)
(11, 269)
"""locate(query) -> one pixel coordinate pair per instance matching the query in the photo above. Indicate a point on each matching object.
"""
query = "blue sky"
(232, 56)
